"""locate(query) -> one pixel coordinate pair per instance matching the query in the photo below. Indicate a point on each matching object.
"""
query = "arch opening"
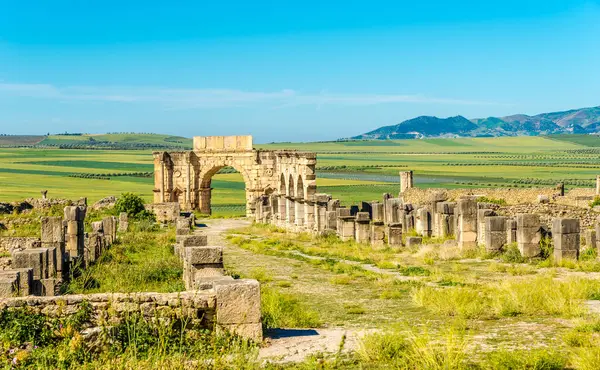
(223, 192)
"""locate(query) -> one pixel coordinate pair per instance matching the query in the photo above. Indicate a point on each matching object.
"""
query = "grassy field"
(350, 171)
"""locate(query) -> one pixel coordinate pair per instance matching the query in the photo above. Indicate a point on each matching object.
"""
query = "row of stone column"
(238, 301)
(63, 249)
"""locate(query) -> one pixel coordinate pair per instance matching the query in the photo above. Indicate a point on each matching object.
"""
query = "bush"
(133, 205)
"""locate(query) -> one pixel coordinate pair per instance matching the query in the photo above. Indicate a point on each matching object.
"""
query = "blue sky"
(283, 71)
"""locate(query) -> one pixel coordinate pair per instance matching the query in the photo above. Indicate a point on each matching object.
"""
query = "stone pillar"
(481, 216)
(299, 207)
(377, 214)
(391, 210)
(321, 211)
(204, 196)
(423, 222)
(406, 180)
(290, 211)
(346, 228)
(53, 236)
(282, 210)
(511, 231)
(339, 214)
(309, 215)
(590, 238)
(75, 243)
(598, 185)
(566, 234)
(409, 222)
(238, 308)
(362, 227)
(529, 234)
(445, 219)
(331, 220)
(377, 233)
(123, 222)
(394, 233)
(466, 230)
(495, 233)
(201, 263)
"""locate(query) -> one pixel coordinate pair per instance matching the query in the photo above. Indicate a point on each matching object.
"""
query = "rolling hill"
(576, 121)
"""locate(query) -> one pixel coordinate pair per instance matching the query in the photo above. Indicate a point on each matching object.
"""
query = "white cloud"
(174, 98)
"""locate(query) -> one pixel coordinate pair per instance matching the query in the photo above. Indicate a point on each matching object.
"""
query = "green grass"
(141, 261)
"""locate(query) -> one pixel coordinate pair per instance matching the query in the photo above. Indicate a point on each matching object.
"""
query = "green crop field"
(350, 171)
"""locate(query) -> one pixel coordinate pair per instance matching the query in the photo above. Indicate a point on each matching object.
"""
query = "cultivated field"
(350, 171)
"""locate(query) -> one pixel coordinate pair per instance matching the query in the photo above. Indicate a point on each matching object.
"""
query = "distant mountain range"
(576, 121)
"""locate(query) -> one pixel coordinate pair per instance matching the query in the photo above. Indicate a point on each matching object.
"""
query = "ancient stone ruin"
(39, 266)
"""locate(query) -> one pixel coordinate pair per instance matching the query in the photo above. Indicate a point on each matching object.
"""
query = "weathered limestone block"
(495, 233)
(195, 240)
(395, 235)
(529, 234)
(238, 308)
(9, 286)
(590, 238)
(24, 277)
(511, 231)
(481, 216)
(543, 199)
(331, 220)
(466, 228)
(341, 212)
(377, 214)
(75, 234)
(346, 228)
(412, 241)
(566, 235)
(123, 222)
(208, 255)
(409, 223)
(423, 222)
(362, 227)
(53, 236)
(165, 212)
(392, 207)
(377, 233)
(32, 258)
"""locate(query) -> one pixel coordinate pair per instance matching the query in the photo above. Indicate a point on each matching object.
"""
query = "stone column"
(394, 233)
(309, 215)
(391, 210)
(204, 195)
(466, 231)
(282, 210)
(123, 222)
(362, 227)
(445, 219)
(590, 238)
(529, 234)
(75, 243)
(53, 236)
(290, 211)
(566, 234)
(321, 211)
(481, 216)
(423, 222)
(495, 233)
(238, 308)
(331, 220)
(406, 180)
(201, 263)
(511, 231)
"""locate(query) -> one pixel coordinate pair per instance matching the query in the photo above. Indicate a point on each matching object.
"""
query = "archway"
(229, 187)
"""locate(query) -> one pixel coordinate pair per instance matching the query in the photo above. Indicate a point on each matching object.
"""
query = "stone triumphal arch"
(185, 176)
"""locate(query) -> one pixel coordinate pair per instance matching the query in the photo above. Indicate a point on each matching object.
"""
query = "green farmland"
(351, 171)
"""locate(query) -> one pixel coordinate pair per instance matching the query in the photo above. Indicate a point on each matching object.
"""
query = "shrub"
(595, 202)
(133, 205)
(512, 254)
